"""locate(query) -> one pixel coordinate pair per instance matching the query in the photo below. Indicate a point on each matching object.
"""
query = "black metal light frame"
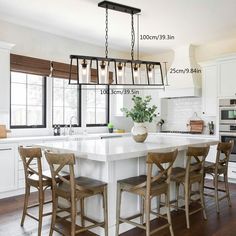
(75, 58)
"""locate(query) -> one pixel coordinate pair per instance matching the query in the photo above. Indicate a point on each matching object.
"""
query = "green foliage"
(141, 112)
(110, 126)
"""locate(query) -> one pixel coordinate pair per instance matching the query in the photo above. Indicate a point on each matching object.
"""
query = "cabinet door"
(7, 168)
(227, 78)
(209, 91)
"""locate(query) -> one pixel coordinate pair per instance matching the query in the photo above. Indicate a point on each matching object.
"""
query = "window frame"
(107, 111)
(79, 115)
(44, 110)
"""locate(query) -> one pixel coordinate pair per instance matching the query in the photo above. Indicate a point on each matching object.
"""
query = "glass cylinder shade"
(151, 73)
(154, 74)
(84, 71)
(103, 70)
(120, 71)
(136, 73)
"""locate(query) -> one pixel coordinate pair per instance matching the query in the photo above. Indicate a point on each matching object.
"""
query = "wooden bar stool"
(37, 179)
(148, 187)
(194, 173)
(74, 190)
(217, 169)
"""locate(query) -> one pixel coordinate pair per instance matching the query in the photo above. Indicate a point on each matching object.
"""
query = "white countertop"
(125, 147)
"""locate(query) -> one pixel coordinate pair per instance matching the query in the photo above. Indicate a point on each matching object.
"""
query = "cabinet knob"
(203, 112)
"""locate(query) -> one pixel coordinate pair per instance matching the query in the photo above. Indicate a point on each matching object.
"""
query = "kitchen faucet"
(71, 130)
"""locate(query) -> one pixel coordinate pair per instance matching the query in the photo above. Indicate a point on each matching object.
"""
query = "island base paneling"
(111, 172)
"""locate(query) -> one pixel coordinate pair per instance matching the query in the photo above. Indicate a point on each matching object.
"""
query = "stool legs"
(186, 199)
(73, 216)
(216, 193)
(41, 201)
(167, 203)
(177, 195)
(54, 215)
(201, 190)
(118, 206)
(105, 206)
(147, 215)
(82, 212)
(141, 210)
(26, 201)
(227, 188)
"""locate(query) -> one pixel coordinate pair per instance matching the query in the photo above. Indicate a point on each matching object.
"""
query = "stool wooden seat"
(74, 190)
(147, 187)
(220, 167)
(193, 173)
(37, 179)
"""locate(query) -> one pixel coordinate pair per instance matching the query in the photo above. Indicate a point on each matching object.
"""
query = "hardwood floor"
(223, 224)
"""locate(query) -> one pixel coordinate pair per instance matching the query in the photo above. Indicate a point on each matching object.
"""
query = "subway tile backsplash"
(178, 112)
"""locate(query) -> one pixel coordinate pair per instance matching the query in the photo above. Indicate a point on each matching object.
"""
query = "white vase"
(139, 132)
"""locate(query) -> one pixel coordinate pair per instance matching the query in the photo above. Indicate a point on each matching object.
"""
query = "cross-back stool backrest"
(195, 160)
(164, 171)
(28, 156)
(58, 161)
(224, 148)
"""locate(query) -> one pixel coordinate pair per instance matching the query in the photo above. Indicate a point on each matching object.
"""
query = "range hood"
(184, 75)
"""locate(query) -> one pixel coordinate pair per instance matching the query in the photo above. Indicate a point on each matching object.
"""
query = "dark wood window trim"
(79, 115)
(44, 117)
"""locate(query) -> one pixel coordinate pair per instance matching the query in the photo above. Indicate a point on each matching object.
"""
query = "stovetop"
(178, 132)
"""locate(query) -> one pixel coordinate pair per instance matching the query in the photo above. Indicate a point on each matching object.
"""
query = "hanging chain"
(132, 36)
(106, 34)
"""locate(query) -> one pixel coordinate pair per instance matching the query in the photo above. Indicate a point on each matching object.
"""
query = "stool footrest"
(125, 220)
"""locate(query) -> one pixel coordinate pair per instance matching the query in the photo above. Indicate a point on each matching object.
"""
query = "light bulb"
(84, 71)
(136, 70)
(150, 74)
(84, 67)
(102, 72)
(103, 67)
(120, 69)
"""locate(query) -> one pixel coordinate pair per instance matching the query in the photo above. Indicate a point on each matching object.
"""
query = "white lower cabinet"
(7, 168)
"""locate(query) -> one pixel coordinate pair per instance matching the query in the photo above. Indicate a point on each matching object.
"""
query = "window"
(97, 105)
(66, 102)
(28, 101)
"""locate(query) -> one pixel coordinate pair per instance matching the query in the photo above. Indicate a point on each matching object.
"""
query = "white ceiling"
(190, 21)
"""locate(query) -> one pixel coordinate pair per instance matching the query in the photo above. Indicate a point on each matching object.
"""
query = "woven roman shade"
(36, 66)
(29, 65)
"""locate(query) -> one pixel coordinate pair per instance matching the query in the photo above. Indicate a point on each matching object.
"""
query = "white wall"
(30, 42)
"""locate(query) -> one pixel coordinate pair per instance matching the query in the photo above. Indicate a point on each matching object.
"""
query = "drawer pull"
(233, 171)
(5, 149)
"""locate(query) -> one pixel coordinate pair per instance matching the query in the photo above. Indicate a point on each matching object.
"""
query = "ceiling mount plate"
(119, 7)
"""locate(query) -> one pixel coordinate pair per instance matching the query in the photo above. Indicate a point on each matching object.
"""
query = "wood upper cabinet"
(7, 168)
(227, 78)
(209, 90)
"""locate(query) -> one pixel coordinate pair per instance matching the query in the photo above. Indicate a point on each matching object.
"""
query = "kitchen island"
(112, 159)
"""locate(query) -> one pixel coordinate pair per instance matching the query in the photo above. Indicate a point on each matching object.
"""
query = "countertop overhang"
(124, 148)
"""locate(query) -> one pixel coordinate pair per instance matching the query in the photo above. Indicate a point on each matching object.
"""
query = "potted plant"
(110, 127)
(140, 113)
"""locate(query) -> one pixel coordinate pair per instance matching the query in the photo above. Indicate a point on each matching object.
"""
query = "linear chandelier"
(90, 70)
